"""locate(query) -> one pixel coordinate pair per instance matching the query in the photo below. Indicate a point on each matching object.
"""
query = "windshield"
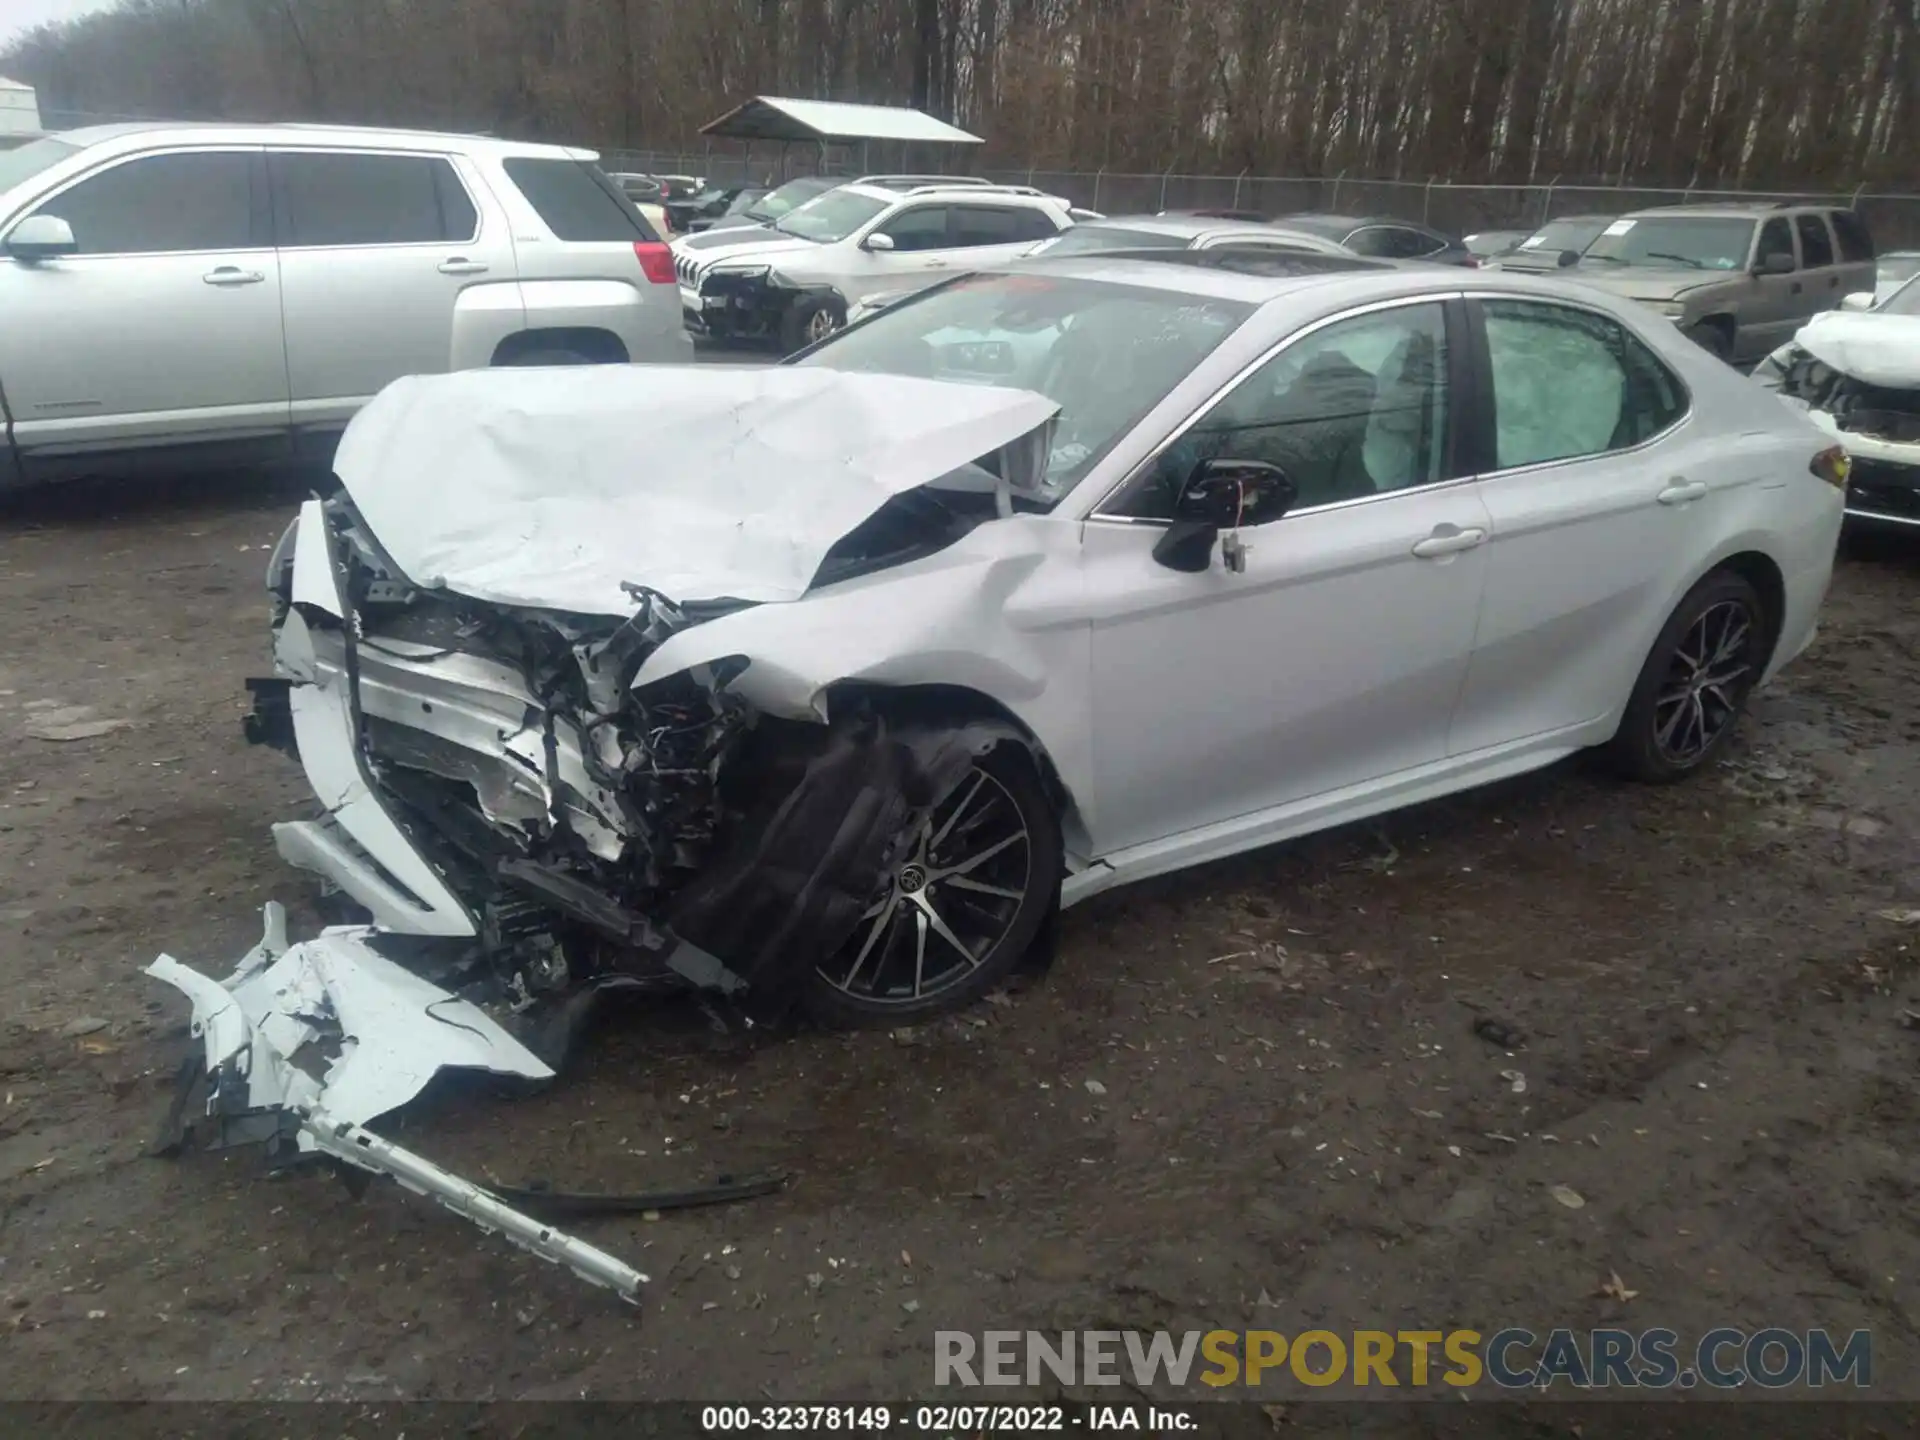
(834, 216)
(790, 196)
(1905, 300)
(1669, 240)
(18, 166)
(1104, 353)
(1890, 272)
(745, 202)
(1082, 239)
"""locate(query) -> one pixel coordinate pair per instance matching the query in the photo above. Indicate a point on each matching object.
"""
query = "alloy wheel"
(949, 905)
(822, 323)
(1706, 681)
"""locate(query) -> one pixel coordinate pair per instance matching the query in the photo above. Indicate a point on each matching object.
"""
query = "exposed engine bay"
(521, 821)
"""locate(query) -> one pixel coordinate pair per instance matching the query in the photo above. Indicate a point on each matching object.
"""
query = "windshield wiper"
(1681, 259)
(1610, 259)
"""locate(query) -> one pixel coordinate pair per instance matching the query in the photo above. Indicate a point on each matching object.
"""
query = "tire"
(1716, 338)
(996, 909)
(810, 321)
(1674, 723)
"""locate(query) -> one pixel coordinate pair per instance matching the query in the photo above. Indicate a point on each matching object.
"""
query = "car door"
(1598, 491)
(376, 248)
(1335, 656)
(164, 326)
(1774, 306)
(1819, 264)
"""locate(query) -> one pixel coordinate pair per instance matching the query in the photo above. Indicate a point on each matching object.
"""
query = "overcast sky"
(18, 15)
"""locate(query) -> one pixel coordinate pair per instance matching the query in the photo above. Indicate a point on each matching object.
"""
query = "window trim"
(1462, 389)
(1483, 395)
(259, 203)
(274, 151)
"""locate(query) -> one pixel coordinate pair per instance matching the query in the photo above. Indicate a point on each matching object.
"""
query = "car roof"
(1731, 211)
(961, 191)
(1581, 219)
(146, 135)
(1192, 227)
(1210, 274)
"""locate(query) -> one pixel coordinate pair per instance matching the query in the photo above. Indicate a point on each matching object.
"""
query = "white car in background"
(793, 282)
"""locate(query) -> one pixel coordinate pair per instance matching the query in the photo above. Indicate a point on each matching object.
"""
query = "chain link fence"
(1458, 209)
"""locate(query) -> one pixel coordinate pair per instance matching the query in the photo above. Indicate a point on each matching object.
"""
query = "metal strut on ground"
(360, 1147)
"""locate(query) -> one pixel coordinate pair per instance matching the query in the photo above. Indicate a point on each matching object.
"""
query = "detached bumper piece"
(389, 1032)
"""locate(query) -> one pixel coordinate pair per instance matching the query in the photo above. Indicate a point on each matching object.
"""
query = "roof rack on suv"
(894, 182)
(977, 185)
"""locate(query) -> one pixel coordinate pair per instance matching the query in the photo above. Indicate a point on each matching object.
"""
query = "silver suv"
(1739, 279)
(209, 293)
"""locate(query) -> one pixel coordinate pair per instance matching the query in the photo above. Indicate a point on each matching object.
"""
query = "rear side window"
(577, 201)
(324, 198)
(996, 225)
(1855, 243)
(1569, 383)
(164, 204)
(1815, 247)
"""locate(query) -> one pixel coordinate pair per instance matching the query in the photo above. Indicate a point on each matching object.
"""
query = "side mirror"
(41, 237)
(1858, 300)
(877, 242)
(1775, 262)
(1569, 257)
(1220, 495)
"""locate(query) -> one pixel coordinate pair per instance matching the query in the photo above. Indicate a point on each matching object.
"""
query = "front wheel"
(959, 913)
(1695, 683)
(810, 321)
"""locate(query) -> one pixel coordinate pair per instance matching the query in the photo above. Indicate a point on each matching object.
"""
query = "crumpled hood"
(727, 230)
(549, 488)
(1879, 349)
(1644, 282)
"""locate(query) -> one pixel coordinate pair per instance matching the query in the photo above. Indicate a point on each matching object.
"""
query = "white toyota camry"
(826, 682)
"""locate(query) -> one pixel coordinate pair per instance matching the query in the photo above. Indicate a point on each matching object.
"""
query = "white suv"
(205, 293)
(794, 281)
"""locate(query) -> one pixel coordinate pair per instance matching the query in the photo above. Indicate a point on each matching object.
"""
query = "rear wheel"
(955, 918)
(1695, 683)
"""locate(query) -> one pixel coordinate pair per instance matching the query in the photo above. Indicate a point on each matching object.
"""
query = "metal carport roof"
(768, 117)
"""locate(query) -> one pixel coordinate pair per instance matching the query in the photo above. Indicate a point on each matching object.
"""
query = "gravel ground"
(1249, 1095)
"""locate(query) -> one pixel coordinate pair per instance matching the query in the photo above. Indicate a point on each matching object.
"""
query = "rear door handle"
(1682, 492)
(232, 275)
(460, 265)
(1449, 540)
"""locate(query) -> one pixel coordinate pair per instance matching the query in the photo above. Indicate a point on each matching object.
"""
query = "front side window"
(924, 227)
(163, 204)
(1665, 241)
(1568, 383)
(1775, 239)
(1815, 248)
(328, 198)
(1357, 408)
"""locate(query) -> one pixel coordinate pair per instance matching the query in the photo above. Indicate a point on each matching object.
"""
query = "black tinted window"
(990, 225)
(577, 202)
(1569, 383)
(1855, 243)
(330, 199)
(1775, 239)
(1392, 242)
(163, 203)
(922, 228)
(1815, 247)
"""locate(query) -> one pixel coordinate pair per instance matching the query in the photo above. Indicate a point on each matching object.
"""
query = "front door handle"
(232, 275)
(460, 265)
(1682, 492)
(1449, 540)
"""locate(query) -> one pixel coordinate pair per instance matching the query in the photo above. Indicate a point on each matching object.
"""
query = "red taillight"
(656, 261)
(1833, 465)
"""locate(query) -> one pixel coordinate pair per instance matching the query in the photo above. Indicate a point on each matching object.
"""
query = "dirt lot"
(1249, 1095)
